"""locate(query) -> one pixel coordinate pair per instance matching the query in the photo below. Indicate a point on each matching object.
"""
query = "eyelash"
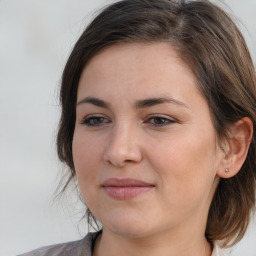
(164, 120)
(90, 121)
(101, 120)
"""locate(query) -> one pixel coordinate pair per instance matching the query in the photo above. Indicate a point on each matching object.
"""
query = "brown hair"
(208, 40)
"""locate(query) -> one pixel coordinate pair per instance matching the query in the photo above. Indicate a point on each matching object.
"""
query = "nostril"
(121, 156)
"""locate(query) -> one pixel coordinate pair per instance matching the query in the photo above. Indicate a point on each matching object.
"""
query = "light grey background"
(36, 37)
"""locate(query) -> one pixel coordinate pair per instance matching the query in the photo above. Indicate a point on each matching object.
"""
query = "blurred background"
(36, 37)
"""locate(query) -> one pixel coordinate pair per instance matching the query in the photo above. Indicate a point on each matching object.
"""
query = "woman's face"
(144, 147)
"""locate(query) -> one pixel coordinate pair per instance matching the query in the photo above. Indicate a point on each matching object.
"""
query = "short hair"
(207, 39)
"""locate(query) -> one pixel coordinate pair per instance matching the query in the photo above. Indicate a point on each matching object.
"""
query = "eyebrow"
(156, 101)
(138, 104)
(94, 101)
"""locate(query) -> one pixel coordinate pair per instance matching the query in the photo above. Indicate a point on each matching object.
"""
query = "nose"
(123, 147)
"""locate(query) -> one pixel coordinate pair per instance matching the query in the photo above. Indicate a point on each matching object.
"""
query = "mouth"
(125, 188)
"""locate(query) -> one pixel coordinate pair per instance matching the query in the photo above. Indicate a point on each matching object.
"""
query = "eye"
(95, 120)
(160, 120)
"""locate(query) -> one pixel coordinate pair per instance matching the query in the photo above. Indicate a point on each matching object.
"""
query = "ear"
(236, 148)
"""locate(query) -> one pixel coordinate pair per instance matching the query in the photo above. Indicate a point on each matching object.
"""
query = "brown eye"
(92, 121)
(159, 120)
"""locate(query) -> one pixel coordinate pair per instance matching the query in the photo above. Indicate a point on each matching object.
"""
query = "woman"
(158, 129)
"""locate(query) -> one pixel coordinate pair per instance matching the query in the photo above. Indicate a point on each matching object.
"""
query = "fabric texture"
(81, 247)
(84, 247)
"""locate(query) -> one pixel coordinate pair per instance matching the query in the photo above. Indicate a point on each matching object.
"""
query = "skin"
(176, 151)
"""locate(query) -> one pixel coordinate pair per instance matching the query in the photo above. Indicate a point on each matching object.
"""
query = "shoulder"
(81, 247)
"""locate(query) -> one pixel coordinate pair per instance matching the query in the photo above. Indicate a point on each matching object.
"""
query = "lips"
(125, 188)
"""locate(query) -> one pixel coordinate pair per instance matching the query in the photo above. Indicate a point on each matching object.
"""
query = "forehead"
(138, 65)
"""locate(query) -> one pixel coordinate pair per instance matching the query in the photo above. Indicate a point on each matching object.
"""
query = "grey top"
(83, 247)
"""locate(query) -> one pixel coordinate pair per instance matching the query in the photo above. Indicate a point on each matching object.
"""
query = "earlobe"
(238, 142)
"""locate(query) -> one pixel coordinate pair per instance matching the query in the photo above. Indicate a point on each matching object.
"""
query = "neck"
(164, 244)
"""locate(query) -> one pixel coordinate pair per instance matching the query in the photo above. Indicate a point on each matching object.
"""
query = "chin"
(129, 231)
(127, 225)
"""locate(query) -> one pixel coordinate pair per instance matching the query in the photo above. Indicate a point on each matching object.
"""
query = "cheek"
(87, 149)
(86, 155)
(185, 165)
